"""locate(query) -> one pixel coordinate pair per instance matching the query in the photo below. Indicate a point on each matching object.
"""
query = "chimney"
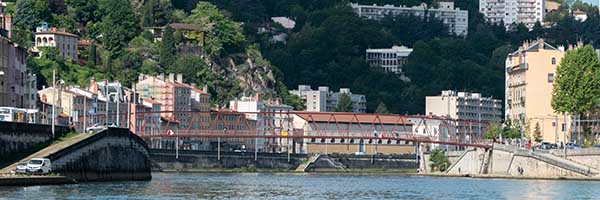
(171, 77)
(541, 43)
(180, 78)
(193, 85)
(205, 88)
(161, 76)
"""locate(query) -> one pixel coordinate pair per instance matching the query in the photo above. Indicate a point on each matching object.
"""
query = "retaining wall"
(113, 154)
(190, 159)
(17, 140)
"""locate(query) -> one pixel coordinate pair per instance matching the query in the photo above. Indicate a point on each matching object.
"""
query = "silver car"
(98, 127)
(21, 168)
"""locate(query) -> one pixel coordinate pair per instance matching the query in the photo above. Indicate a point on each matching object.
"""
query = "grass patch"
(65, 137)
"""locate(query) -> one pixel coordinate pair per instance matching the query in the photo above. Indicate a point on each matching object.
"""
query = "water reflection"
(309, 186)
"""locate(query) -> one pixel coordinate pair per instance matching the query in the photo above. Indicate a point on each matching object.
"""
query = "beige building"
(66, 43)
(530, 73)
(342, 128)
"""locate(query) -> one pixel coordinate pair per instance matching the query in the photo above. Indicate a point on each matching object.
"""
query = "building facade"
(343, 125)
(17, 86)
(391, 60)
(66, 43)
(456, 20)
(465, 106)
(527, 12)
(530, 73)
(272, 118)
(324, 100)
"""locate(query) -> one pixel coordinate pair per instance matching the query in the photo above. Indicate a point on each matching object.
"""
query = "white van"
(39, 165)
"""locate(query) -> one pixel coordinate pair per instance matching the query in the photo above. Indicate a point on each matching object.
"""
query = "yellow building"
(530, 73)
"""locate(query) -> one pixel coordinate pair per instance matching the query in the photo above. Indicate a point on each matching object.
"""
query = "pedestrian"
(459, 170)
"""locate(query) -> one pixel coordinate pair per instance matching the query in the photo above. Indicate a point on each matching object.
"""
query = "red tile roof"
(333, 117)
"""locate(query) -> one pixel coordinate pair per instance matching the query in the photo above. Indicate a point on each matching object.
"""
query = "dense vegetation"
(326, 47)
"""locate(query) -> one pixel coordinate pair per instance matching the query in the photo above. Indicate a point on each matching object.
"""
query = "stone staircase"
(302, 167)
(48, 150)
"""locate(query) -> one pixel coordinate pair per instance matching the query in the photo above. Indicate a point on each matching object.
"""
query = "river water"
(309, 186)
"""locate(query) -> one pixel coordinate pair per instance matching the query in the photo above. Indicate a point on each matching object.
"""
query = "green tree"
(84, 11)
(382, 109)
(167, 48)
(537, 133)
(221, 32)
(344, 103)
(439, 161)
(148, 13)
(117, 27)
(577, 83)
(91, 62)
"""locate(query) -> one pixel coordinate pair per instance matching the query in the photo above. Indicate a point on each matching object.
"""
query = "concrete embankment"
(17, 140)
(510, 161)
(189, 160)
(209, 161)
(111, 155)
(364, 163)
(35, 180)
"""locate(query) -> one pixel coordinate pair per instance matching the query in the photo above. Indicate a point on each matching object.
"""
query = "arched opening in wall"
(39, 41)
(45, 40)
(51, 40)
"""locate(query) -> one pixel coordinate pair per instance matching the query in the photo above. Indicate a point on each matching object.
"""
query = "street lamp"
(61, 82)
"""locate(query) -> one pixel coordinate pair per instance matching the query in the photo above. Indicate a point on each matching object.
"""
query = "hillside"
(236, 49)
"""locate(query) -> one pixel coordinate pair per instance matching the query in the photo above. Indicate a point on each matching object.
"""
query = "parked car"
(596, 146)
(39, 165)
(572, 146)
(547, 145)
(98, 127)
(21, 168)
(359, 153)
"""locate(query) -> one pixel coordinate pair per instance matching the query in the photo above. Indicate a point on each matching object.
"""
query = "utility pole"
(54, 101)
(118, 100)
(84, 112)
(564, 127)
(107, 101)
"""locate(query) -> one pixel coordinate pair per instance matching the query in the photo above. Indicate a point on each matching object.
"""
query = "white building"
(513, 11)
(465, 106)
(66, 43)
(455, 19)
(324, 100)
(391, 60)
(271, 117)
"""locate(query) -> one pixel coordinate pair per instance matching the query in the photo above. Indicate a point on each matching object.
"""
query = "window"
(550, 77)
(553, 61)
(564, 127)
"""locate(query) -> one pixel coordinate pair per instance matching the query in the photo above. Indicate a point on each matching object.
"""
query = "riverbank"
(35, 180)
(279, 170)
(496, 176)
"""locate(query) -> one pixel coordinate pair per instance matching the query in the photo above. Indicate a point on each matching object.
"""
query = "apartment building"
(456, 20)
(527, 12)
(465, 106)
(324, 100)
(391, 60)
(530, 73)
(272, 118)
(65, 42)
(17, 85)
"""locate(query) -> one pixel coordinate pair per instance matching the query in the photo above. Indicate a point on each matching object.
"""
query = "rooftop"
(56, 31)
